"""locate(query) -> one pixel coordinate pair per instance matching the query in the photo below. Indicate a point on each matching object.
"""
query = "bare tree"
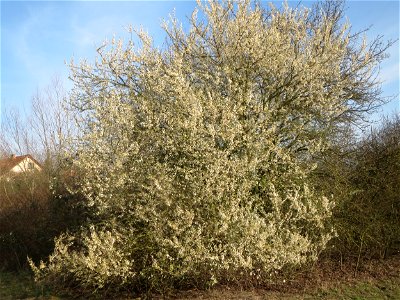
(44, 130)
(51, 121)
(14, 135)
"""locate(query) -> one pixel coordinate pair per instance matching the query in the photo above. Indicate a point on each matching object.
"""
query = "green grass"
(362, 290)
(22, 286)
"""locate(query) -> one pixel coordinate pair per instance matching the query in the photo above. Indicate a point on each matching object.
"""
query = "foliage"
(23, 208)
(196, 157)
(34, 209)
(368, 219)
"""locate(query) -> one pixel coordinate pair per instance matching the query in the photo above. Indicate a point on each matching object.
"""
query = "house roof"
(6, 164)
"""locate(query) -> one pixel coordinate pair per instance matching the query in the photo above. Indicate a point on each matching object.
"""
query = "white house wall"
(24, 166)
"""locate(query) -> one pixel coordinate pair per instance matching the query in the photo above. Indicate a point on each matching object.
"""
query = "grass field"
(374, 280)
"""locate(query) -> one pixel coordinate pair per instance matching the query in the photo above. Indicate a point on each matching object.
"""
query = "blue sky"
(38, 37)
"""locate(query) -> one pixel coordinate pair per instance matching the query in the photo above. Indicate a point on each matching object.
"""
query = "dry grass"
(375, 279)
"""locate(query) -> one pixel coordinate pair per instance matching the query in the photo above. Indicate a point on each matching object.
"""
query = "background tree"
(196, 157)
(14, 136)
(44, 130)
(36, 207)
(368, 217)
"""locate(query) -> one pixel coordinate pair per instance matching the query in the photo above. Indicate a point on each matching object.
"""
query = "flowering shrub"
(196, 156)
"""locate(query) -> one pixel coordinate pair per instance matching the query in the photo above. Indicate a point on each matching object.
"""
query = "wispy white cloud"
(87, 34)
(390, 73)
(30, 46)
(390, 68)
